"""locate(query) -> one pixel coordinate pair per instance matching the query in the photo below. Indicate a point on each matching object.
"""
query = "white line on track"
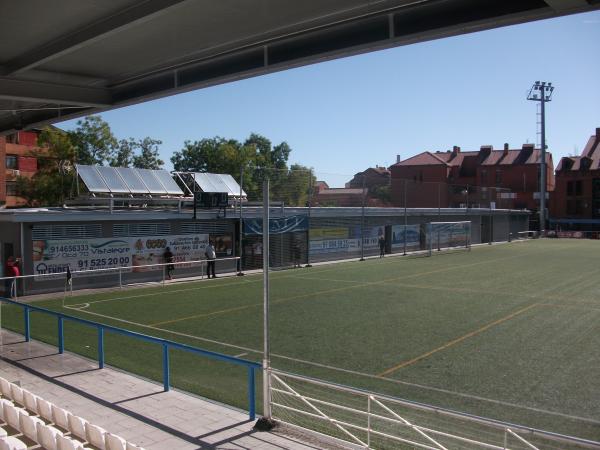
(352, 372)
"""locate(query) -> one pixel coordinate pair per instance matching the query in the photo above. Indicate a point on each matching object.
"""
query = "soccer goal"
(448, 235)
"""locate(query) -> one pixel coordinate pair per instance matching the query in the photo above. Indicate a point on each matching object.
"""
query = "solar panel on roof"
(132, 180)
(204, 183)
(92, 179)
(113, 180)
(168, 182)
(150, 180)
(216, 182)
(234, 187)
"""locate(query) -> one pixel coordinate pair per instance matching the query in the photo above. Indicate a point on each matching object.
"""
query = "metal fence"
(365, 419)
(115, 277)
(166, 345)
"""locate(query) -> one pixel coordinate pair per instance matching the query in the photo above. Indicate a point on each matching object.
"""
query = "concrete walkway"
(133, 408)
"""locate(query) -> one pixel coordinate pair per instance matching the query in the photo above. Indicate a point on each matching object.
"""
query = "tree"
(51, 184)
(94, 141)
(148, 157)
(124, 154)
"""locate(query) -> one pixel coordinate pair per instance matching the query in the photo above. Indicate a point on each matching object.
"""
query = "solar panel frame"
(94, 182)
(168, 182)
(233, 185)
(151, 181)
(203, 182)
(211, 182)
(113, 180)
(133, 180)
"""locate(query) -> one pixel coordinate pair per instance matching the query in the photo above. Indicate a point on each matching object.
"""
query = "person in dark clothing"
(168, 258)
(210, 254)
(296, 252)
(381, 246)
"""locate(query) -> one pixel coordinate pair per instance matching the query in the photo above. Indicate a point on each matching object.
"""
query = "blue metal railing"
(166, 345)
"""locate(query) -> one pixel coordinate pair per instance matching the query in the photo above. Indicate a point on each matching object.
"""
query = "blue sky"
(343, 116)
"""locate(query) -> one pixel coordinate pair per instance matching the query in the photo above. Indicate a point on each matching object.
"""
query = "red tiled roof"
(423, 159)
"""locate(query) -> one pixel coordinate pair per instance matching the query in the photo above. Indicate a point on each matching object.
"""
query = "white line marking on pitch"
(240, 355)
(338, 369)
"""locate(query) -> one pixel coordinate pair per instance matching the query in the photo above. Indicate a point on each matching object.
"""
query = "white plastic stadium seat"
(60, 417)
(29, 425)
(44, 409)
(17, 394)
(11, 416)
(5, 388)
(77, 426)
(12, 443)
(114, 442)
(30, 401)
(65, 443)
(3, 401)
(3, 433)
(95, 435)
(46, 436)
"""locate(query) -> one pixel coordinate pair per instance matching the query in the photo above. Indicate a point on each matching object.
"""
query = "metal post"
(120, 279)
(166, 371)
(362, 222)
(251, 394)
(405, 218)
(163, 275)
(61, 336)
(266, 355)
(491, 229)
(240, 273)
(100, 347)
(310, 195)
(27, 324)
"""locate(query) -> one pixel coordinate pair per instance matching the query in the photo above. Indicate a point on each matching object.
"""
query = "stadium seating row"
(28, 420)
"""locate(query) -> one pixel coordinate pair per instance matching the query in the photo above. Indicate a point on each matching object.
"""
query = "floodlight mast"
(542, 92)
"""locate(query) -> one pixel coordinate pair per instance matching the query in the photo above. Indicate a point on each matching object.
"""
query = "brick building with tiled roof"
(575, 203)
(507, 177)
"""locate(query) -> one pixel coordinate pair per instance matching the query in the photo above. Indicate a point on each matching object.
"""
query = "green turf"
(510, 332)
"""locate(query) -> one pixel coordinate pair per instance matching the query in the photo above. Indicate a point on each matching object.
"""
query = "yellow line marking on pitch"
(328, 291)
(456, 341)
(584, 308)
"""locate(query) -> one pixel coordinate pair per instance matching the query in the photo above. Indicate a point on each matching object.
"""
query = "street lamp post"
(542, 92)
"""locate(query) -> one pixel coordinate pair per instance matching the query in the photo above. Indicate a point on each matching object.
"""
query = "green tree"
(148, 156)
(124, 153)
(52, 182)
(94, 141)
(257, 156)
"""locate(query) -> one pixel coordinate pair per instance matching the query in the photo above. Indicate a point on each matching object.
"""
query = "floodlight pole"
(542, 92)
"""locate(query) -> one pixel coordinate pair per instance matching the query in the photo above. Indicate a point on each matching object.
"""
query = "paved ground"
(133, 408)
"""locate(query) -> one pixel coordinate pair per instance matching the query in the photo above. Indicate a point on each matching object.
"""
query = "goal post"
(448, 235)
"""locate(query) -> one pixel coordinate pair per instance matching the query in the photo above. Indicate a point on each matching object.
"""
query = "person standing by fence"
(210, 254)
(381, 246)
(168, 259)
(9, 274)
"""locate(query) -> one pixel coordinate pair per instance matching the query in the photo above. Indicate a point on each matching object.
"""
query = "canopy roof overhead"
(127, 181)
(66, 58)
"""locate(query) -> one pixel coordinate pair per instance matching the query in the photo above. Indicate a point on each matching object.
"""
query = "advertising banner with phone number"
(54, 256)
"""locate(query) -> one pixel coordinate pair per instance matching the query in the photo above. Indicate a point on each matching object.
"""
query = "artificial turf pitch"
(510, 332)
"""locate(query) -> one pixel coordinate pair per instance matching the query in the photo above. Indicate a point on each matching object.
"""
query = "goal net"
(448, 235)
